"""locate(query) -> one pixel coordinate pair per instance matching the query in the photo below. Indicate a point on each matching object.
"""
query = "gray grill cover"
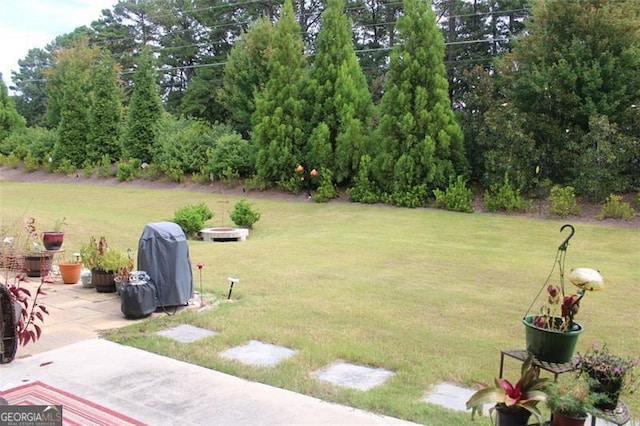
(164, 254)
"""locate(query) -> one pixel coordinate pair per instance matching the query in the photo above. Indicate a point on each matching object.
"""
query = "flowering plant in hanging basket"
(558, 313)
(552, 333)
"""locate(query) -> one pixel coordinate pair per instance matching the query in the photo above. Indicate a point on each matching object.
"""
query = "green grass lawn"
(429, 294)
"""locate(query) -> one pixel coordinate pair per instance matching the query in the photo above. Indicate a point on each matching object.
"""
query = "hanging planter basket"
(550, 337)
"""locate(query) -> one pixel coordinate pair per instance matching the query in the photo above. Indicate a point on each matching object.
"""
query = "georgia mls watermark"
(30, 415)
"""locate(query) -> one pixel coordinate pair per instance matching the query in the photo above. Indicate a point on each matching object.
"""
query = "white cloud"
(28, 24)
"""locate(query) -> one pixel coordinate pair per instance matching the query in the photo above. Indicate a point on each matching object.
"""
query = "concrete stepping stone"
(451, 396)
(353, 376)
(186, 333)
(259, 354)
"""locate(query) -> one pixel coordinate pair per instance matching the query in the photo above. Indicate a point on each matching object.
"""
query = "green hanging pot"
(550, 345)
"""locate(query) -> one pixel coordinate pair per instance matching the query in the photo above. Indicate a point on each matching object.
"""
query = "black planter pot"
(104, 282)
(610, 389)
(511, 416)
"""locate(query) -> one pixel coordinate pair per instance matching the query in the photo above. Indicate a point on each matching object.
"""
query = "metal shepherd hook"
(565, 243)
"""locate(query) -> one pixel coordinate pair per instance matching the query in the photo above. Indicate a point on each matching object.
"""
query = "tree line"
(394, 100)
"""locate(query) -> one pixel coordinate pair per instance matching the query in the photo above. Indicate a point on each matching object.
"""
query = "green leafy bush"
(191, 218)
(363, 189)
(243, 216)
(326, 190)
(128, 170)
(563, 201)
(457, 197)
(66, 166)
(151, 172)
(104, 168)
(231, 156)
(31, 163)
(173, 172)
(615, 208)
(504, 197)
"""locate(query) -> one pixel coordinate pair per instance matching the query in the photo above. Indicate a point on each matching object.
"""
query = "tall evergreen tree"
(246, 73)
(29, 82)
(70, 85)
(422, 145)
(374, 36)
(9, 117)
(106, 111)
(339, 94)
(278, 130)
(69, 52)
(145, 109)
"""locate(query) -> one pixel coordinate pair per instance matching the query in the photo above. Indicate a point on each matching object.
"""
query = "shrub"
(151, 171)
(228, 177)
(191, 218)
(563, 201)
(104, 168)
(615, 208)
(11, 161)
(66, 167)
(243, 216)
(327, 189)
(230, 157)
(457, 197)
(504, 197)
(128, 170)
(31, 163)
(363, 189)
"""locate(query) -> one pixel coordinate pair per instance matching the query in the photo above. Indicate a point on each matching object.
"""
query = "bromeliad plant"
(524, 395)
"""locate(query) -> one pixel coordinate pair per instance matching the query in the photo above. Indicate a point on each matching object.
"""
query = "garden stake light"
(232, 281)
(200, 266)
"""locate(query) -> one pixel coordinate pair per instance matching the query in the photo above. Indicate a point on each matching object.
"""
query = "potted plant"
(104, 263)
(22, 251)
(124, 271)
(552, 334)
(52, 240)
(607, 374)
(70, 269)
(570, 402)
(513, 403)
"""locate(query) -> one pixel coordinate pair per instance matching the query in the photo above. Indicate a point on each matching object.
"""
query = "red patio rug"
(75, 410)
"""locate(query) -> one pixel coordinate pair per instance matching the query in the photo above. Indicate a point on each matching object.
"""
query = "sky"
(27, 24)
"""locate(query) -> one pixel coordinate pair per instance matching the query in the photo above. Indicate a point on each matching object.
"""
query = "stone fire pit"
(224, 234)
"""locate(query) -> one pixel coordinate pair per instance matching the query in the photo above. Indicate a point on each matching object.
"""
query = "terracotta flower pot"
(560, 419)
(70, 272)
